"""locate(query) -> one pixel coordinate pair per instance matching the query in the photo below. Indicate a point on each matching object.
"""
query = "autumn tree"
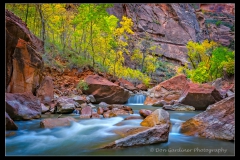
(144, 54)
(75, 35)
(209, 60)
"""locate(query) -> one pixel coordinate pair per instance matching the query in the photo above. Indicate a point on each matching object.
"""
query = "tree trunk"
(192, 62)
(91, 39)
(26, 14)
(143, 59)
(39, 8)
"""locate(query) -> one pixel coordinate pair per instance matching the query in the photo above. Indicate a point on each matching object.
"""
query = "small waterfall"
(176, 123)
(137, 99)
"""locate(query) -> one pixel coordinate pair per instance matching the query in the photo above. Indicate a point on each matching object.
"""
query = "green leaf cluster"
(82, 84)
(209, 61)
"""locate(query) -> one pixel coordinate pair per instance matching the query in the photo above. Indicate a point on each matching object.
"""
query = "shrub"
(218, 23)
(82, 84)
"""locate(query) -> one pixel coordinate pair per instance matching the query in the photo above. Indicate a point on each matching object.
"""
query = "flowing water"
(86, 136)
(137, 99)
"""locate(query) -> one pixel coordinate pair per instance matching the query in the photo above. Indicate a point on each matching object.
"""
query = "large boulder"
(158, 117)
(23, 106)
(157, 134)
(45, 91)
(200, 96)
(105, 91)
(24, 63)
(56, 122)
(168, 90)
(217, 122)
(66, 105)
(9, 123)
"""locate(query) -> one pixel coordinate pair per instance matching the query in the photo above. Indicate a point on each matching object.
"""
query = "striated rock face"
(56, 122)
(124, 132)
(170, 25)
(200, 96)
(105, 91)
(23, 106)
(24, 64)
(157, 134)
(218, 7)
(9, 123)
(168, 90)
(217, 122)
(224, 14)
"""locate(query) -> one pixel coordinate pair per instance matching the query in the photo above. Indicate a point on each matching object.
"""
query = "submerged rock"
(144, 112)
(133, 117)
(160, 103)
(178, 107)
(56, 122)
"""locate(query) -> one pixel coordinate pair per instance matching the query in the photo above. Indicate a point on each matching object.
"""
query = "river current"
(86, 136)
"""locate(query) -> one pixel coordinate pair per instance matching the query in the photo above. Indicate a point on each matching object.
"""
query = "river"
(85, 136)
